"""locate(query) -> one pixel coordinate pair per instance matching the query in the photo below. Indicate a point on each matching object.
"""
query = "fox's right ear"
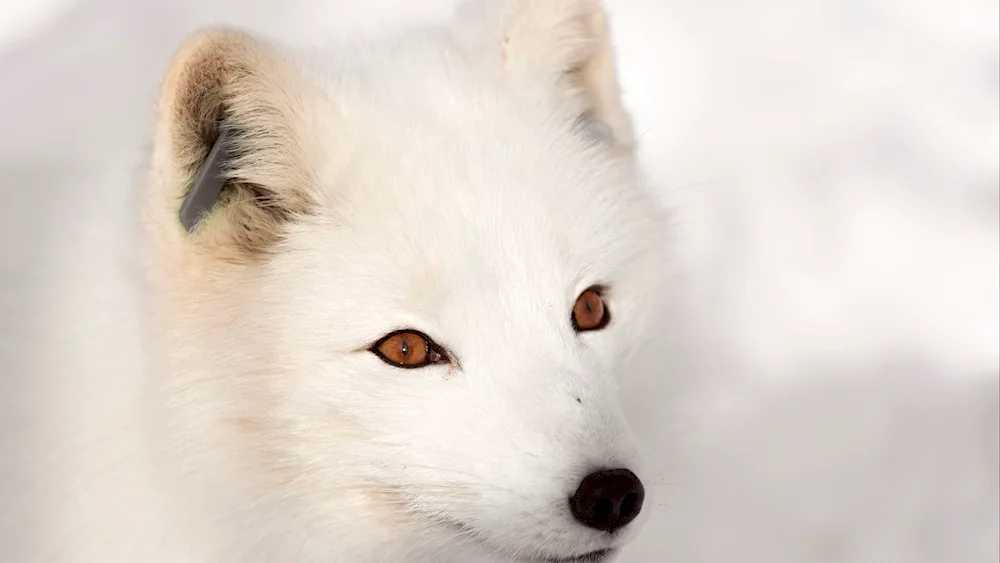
(231, 166)
(567, 44)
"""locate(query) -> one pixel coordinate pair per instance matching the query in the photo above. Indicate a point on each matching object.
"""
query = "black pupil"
(405, 348)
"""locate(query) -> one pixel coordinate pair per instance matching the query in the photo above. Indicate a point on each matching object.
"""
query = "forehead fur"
(454, 154)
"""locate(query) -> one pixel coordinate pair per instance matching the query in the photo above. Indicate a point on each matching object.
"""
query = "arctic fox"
(384, 293)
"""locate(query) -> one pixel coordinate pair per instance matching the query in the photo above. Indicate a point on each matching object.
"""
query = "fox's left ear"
(567, 44)
(234, 155)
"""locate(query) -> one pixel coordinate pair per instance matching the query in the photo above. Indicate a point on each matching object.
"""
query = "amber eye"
(589, 311)
(408, 349)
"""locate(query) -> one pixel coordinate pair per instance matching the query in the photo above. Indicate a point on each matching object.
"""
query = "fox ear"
(567, 44)
(229, 168)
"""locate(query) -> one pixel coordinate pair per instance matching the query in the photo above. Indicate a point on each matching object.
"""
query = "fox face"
(395, 333)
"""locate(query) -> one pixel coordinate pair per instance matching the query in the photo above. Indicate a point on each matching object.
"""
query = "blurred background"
(824, 384)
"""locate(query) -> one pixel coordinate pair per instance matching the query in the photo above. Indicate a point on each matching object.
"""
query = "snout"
(608, 499)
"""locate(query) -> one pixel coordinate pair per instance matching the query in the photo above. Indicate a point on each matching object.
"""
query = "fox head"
(395, 333)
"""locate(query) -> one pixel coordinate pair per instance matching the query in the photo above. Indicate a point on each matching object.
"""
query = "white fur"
(229, 410)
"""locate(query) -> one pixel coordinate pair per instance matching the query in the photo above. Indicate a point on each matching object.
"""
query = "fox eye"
(409, 349)
(590, 311)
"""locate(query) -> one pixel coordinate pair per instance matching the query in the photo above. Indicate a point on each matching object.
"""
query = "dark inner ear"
(213, 186)
(208, 184)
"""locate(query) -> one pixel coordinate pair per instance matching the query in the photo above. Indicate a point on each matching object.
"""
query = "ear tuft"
(567, 44)
(227, 79)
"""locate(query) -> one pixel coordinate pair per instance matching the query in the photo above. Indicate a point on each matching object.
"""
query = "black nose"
(608, 500)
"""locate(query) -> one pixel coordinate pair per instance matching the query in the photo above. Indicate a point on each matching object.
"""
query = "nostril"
(608, 499)
(604, 509)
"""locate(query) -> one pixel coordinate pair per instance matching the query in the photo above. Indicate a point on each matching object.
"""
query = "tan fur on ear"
(227, 78)
(569, 43)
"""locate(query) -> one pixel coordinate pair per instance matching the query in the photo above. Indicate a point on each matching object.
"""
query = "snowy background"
(824, 387)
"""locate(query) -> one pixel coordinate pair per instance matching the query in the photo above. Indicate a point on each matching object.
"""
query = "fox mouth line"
(592, 557)
(596, 556)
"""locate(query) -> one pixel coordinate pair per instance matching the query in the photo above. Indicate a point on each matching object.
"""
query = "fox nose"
(608, 500)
